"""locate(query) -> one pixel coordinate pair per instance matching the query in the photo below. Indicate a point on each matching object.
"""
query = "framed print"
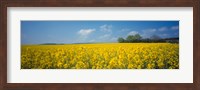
(99, 45)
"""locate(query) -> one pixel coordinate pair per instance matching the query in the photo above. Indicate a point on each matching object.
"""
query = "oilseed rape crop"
(101, 56)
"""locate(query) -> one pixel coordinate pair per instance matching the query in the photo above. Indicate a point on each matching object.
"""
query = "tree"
(138, 37)
(146, 40)
(134, 38)
(121, 40)
(130, 38)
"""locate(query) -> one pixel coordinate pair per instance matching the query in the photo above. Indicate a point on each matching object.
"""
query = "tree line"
(137, 38)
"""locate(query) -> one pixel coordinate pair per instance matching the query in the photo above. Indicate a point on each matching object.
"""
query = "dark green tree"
(121, 40)
(130, 38)
(134, 38)
(137, 37)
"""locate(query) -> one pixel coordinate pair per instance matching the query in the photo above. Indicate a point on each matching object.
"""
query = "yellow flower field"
(101, 56)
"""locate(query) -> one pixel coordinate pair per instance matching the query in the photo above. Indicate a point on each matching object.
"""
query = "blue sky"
(38, 32)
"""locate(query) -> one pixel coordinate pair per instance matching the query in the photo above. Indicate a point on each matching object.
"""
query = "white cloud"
(83, 35)
(149, 30)
(164, 35)
(174, 27)
(93, 40)
(132, 33)
(106, 36)
(106, 28)
(148, 33)
(85, 32)
(124, 30)
(113, 39)
(162, 29)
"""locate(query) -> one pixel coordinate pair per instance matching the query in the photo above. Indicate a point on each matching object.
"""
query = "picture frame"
(99, 86)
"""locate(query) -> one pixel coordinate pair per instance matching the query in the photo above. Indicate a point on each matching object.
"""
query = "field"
(101, 56)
